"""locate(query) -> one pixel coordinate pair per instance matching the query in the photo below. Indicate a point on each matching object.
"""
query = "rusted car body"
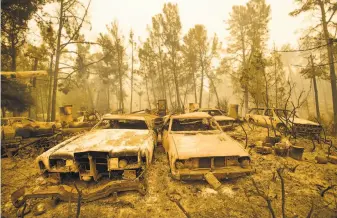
(225, 122)
(118, 149)
(119, 146)
(196, 145)
(283, 121)
(26, 127)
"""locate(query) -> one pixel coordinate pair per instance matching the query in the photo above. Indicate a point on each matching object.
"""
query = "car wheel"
(281, 128)
(53, 129)
(168, 160)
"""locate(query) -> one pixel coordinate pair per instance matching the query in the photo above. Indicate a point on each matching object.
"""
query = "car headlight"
(57, 163)
(122, 163)
(180, 164)
(244, 162)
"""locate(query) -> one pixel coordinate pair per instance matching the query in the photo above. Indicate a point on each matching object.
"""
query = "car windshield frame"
(218, 128)
(213, 110)
(97, 126)
(288, 112)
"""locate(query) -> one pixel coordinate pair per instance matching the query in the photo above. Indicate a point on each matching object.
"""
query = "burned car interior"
(122, 124)
(193, 125)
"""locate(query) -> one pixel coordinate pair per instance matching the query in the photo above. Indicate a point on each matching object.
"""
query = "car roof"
(192, 115)
(123, 116)
(147, 115)
(263, 108)
(208, 109)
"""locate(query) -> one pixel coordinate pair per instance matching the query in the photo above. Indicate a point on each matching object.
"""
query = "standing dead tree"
(69, 25)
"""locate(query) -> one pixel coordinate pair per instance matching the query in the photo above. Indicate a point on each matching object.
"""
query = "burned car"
(119, 147)
(26, 127)
(225, 122)
(196, 145)
(116, 151)
(283, 121)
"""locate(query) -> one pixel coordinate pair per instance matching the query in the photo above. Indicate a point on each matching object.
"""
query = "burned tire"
(53, 129)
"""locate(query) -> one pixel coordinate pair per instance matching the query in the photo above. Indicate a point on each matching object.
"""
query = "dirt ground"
(235, 198)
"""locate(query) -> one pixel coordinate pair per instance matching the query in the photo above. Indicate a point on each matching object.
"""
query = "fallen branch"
(23, 210)
(327, 189)
(311, 210)
(265, 197)
(78, 201)
(245, 134)
(280, 172)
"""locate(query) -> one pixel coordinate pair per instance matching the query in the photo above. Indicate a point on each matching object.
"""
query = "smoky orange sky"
(137, 14)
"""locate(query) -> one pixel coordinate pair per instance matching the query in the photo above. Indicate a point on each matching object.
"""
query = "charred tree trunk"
(42, 108)
(266, 88)
(185, 95)
(152, 84)
(57, 61)
(50, 86)
(3, 111)
(329, 42)
(245, 95)
(91, 99)
(176, 84)
(275, 74)
(13, 53)
(195, 88)
(169, 89)
(215, 90)
(162, 71)
(318, 115)
(131, 94)
(108, 98)
(201, 85)
(147, 93)
(121, 103)
(316, 98)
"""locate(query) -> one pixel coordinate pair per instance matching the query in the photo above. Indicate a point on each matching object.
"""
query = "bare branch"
(78, 28)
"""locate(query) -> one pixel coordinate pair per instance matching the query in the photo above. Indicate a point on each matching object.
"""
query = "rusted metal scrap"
(212, 180)
(65, 192)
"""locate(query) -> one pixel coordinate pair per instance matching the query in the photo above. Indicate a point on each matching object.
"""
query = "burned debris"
(100, 120)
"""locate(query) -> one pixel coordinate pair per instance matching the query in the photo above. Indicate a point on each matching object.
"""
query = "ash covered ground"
(304, 182)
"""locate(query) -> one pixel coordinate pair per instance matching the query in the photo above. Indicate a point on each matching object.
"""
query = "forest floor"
(235, 198)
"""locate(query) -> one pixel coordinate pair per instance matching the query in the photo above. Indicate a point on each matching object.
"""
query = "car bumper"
(198, 174)
(66, 193)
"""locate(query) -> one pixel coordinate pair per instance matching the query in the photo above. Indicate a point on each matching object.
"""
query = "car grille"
(205, 162)
(218, 162)
(100, 160)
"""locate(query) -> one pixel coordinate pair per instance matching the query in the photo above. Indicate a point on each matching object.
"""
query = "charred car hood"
(104, 140)
(206, 145)
(304, 121)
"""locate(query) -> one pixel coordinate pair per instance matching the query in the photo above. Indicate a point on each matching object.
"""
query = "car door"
(31, 126)
(268, 118)
(165, 134)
